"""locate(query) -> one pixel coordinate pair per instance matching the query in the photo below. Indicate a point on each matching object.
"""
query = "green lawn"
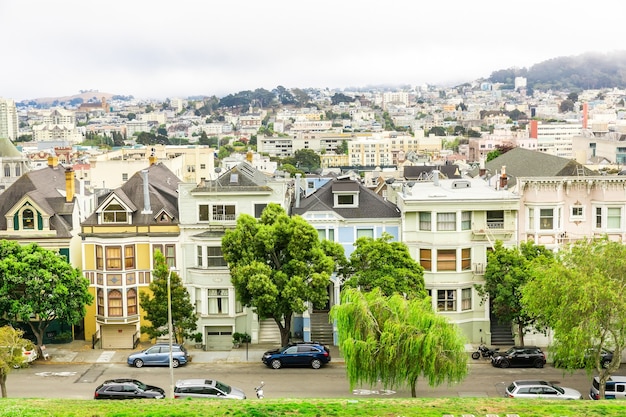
(389, 407)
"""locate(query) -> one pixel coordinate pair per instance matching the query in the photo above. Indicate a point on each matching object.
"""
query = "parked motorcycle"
(484, 351)
(259, 391)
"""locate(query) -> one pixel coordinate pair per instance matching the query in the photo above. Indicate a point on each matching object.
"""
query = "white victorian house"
(207, 210)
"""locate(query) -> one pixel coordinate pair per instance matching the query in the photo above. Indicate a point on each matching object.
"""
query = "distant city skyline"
(164, 49)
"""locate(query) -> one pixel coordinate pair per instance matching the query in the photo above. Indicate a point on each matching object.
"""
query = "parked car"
(541, 389)
(313, 354)
(615, 388)
(126, 389)
(207, 388)
(159, 355)
(29, 354)
(520, 356)
(606, 356)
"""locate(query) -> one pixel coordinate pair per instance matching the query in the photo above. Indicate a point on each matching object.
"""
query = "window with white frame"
(466, 220)
(328, 234)
(546, 219)
(426, 259)
(218, 301)
(223, 212)
(446, 300)
(214, 256)
(495, 219)
(466, 259)
(365, 233)
(613, 218)
(203, 212)
(446, 221)
(425, 222)
(446, 259)
(466, 299)
(577, 213)
(114, 213)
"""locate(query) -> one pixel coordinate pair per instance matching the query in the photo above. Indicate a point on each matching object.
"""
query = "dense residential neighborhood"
(110, 180)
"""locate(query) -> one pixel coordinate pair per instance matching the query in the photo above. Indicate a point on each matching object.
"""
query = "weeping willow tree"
(395, 341)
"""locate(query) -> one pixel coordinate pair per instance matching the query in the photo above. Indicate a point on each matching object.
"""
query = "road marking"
(55, 373)
(106, 356)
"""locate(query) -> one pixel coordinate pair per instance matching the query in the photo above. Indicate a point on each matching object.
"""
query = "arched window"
(131, 300)
(100, 302)
(7, 170)
(28, 219)
(115, 303)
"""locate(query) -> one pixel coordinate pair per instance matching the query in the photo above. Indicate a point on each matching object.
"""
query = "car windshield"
(511, 388)
(141, 385)
(559, 389)
(223, 387)
(510, 351)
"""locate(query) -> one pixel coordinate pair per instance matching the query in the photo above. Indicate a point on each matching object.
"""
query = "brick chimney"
(503, 178)
(70, 187)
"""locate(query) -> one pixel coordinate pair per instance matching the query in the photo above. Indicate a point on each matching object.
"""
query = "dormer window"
(345, 194)
(28, 219)
(347, 199)
(114, 213)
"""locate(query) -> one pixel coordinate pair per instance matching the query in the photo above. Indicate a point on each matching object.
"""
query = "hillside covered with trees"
(581, 72)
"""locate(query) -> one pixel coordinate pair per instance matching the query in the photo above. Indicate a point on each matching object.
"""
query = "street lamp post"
(169, 328)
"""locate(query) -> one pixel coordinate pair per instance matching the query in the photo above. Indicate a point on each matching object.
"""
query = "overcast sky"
(161, 49)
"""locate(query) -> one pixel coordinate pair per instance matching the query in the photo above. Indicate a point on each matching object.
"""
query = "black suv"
(126, 389)
(520, 356)
(313, 354)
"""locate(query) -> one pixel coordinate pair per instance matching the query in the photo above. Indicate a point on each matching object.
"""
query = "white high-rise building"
(9, 126)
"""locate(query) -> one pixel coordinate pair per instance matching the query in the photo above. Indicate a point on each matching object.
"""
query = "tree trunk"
(520, 333)
(413, 388)
(3, 384)
(602, 380)
(285, 329)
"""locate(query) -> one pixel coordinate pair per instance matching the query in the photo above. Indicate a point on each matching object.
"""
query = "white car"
(28, 355)
(541, 389)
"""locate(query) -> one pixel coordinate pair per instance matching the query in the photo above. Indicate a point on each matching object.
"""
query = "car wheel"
(175, 363)
(138, 363)
(316, 364)
(276, 364)
(538, 363)
(505, 363)
(605, 364)
(475, 355)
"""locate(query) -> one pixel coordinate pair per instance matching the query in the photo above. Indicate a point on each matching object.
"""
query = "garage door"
(219, 338)
(117, 336)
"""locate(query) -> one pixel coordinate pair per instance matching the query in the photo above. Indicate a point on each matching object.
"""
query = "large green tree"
(11, 344)
(37, 282)
(381, 263)
(581, 298)
(155, 305)
(395, 341)
(508, 269)
(278, 265)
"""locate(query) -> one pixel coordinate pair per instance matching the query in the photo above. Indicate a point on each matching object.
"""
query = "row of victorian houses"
(449, 220)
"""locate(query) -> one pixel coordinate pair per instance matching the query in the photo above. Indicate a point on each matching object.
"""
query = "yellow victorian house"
(119, 240)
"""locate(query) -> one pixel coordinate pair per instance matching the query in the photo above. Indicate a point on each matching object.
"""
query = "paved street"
(79, 379)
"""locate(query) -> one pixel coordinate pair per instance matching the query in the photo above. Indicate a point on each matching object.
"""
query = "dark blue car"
(311, 354)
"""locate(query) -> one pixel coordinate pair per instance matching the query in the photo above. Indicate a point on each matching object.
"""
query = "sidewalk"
(79, 351)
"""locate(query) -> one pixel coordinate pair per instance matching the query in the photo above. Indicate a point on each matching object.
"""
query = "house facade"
(119, 240)
(341, 210)
(207, 210)
(449, 225)
(46, 207)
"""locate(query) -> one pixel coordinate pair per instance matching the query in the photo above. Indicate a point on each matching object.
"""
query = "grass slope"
(389, 407)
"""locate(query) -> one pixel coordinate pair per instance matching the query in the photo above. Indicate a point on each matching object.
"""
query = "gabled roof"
(43, 187)
(520, 162)
(370, 205)
(162, 192)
